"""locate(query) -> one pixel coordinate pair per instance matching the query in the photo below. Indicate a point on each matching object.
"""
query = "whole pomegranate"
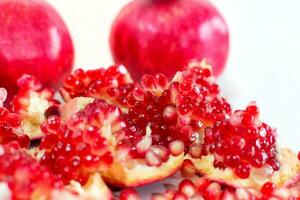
(33, 40)
(151, 36)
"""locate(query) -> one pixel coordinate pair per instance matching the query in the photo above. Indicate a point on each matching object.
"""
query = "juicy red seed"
(299, 155)
(188, 168)
(267, 188)
(212, 192)
(195, 150)
(201, 184)
(129, 194)
(243, 170)
(176, 147)
(14, 120)
(187, 188)
(3, 113)
(179, 196)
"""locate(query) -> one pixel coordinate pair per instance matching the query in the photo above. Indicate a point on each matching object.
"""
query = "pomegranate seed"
(243, 170)
(212, 192)
(179, 196)
(195, 150)
(187, 188)
(152, 158)
(201, 184)
(176, 147)
(129, 194)
(267, 188)
(188, 168)
(299, 155)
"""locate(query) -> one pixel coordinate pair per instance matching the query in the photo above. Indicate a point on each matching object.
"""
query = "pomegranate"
(33, 40)
(151, 36)
(31, 102)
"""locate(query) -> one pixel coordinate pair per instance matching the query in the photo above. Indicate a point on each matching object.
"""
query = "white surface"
(264, 63)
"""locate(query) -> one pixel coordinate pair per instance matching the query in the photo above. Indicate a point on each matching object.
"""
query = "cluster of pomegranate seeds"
(243, 142)
(77, 148)
(203, 188)
(22, 176)
(111, 83)
(10, 128)
(31, 102)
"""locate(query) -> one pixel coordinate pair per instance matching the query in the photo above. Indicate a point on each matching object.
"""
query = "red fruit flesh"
(34, 40)
(243, 142)
(164, 36)
(24, 177)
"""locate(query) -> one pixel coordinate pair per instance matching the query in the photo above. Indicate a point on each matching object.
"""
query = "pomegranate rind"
(119, 175)
(290, 167)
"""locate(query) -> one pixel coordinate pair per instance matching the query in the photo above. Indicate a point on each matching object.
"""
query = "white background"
(264, 63)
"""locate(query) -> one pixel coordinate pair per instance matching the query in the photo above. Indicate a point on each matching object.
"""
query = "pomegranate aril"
(176, 147)
(267, 188)
(188, 168)
(201, 184)
(212, 192)
(243, 170)
(129, 194)
(187, 188)
(179, 196)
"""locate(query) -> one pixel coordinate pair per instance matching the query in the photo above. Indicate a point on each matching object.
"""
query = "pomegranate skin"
(33, 40)
(151, 36)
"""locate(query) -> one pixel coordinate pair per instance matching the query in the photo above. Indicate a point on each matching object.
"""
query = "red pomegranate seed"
(176, 147)
(129, 194)
(152, 158)
(187, 188)
(267, 188)
(201, 184)
(188, 168)
(243, 170)
(299, 155)
(195, 150)
(179, 196)
(213, 191)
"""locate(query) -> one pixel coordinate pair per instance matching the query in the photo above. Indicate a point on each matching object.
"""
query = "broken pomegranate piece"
(203, 188)
(74, 149)
(21, 177)
(31, 102)
(131, 146)
(243, 152)
(112, 84)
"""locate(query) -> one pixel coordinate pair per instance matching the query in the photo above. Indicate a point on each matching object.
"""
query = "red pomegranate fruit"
(34, 40)
(151, 36)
